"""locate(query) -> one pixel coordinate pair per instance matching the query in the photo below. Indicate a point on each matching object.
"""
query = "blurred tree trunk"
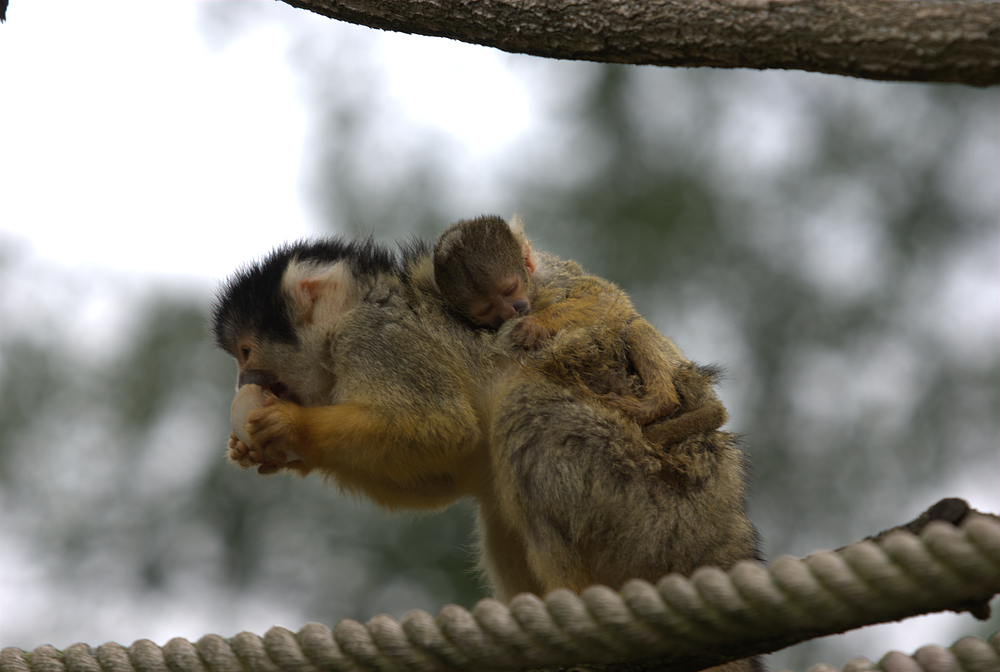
(905, 40)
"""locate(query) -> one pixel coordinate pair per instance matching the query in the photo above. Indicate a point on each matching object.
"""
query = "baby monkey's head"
(483, 269)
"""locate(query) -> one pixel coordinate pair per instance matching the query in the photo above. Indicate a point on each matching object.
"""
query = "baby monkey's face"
(506, 299)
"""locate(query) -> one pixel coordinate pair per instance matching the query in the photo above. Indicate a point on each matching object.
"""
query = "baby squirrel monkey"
(371, 382)
(595, 341)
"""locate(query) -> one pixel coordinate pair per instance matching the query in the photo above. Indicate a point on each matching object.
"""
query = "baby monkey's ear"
(516, 225)
(529, 258)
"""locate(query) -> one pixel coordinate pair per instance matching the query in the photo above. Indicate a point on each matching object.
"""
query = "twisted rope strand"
(969, 654)
(752, 608)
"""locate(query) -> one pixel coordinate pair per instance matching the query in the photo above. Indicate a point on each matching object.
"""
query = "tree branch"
(931, 41)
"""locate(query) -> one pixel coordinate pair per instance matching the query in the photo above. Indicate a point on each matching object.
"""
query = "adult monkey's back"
(377, 387)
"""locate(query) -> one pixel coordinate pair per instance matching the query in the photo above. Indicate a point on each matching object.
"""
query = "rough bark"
(929, 41)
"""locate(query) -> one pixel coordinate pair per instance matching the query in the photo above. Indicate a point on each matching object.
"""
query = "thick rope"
(751, 609)
(969, 654)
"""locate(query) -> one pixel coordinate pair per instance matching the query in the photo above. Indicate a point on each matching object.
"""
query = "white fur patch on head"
(319, 292)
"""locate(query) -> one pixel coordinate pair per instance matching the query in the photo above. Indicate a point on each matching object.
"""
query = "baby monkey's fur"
(375, 384)
(583, 330)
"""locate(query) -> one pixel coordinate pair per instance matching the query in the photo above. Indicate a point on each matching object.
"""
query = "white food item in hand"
(248, 398)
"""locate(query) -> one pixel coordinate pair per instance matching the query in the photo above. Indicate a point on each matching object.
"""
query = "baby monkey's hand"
(531, 334)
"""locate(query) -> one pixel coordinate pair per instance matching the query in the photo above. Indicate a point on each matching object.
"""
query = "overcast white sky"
(127, 142)
(99, 123)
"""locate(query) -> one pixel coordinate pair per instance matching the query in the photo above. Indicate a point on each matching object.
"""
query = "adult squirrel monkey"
(369, 379)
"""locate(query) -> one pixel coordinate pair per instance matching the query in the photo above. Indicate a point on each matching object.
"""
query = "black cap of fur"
(252, 299)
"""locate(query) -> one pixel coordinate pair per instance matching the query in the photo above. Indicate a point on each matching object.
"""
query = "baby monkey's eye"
(511, 289)
(245, 350)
